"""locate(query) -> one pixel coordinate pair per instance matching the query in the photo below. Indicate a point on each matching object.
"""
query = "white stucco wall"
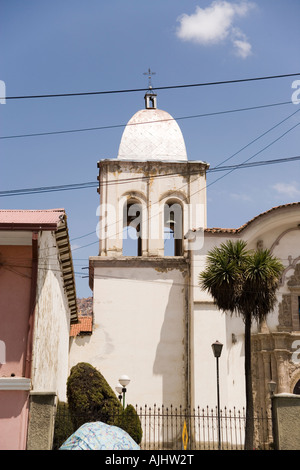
(211, 325)
(51, 329)
(139, 330)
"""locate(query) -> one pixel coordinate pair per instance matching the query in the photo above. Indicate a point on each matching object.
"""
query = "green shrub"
(63, 427)
(130, 422)
(90, 398)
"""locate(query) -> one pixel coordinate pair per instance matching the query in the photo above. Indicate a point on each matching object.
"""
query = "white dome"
(152, 134)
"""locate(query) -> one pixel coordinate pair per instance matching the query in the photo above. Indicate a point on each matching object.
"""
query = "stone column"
(265, 393)
(282, 358)
(41, 421)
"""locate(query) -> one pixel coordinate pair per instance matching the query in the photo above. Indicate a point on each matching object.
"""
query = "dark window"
(173, 229)
(132, 229)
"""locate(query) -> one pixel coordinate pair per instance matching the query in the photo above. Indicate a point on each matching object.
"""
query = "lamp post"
(272, 388)
(124, 381)
(119, 391)
(217, 350)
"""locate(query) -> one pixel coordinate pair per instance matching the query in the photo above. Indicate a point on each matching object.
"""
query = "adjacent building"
(37, 306)
(275, 342)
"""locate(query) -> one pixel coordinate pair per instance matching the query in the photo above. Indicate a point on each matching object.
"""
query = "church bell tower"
(151, 187)
(151, 196)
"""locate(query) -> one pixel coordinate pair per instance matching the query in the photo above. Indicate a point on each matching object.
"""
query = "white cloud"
(214, 24)
(242, 46)
(287, 189)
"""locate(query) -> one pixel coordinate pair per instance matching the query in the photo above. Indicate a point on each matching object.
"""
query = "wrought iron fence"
(176, 428)
(170, 428)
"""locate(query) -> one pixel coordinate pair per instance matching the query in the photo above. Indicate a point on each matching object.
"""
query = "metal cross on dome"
(149, 73)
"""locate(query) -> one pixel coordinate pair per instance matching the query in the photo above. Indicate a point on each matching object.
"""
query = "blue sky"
(70, 46)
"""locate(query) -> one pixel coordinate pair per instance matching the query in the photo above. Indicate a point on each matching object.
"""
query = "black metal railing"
(177, 428)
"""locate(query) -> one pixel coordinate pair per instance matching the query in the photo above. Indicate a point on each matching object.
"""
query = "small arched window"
(132, 229)
(173, 229)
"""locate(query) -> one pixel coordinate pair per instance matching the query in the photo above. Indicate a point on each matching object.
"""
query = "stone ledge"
(138, 261)
(15, 383)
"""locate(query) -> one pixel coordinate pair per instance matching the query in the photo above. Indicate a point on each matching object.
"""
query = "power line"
(10, 267)
(94, 184)
(116, 126)
(223, 82)
(231, 168)
(46, 189)
(260, 136)
(218, 168)
(82, 236)
(237, 167)
(254, 164)
(245, 164)
(126, 180)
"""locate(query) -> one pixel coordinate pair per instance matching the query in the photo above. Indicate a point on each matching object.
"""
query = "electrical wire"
(107, 276)
(46, 189)
(230, 168)
(94, 184)
(116, 126)
(254, 164)
(260, 136)
(218, 168)
(223, 82)
(237, 166)
(253, 156)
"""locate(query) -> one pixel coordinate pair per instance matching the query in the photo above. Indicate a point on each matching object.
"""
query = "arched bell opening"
(132, 229)
(173, 229)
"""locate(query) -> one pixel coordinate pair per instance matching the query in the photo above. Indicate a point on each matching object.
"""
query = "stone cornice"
(15, 383)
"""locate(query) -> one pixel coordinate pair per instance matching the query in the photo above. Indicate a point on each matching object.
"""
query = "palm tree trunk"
(249, 431)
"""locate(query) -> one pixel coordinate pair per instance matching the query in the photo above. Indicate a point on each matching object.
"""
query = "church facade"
(275, 342)
(151, 320)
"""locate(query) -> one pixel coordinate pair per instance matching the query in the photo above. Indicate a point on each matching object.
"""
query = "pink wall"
(15, 284)
(15, 288)
(13, 419)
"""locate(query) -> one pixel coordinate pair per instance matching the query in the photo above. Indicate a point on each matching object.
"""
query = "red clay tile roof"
(84, 326)
(31, 219)
(238, 230)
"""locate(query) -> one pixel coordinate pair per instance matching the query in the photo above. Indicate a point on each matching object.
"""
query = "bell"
(170, 222)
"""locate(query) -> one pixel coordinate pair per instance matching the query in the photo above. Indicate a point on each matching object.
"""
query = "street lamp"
(124, 381)
(272, 388)
(217, 350)
(119, 391)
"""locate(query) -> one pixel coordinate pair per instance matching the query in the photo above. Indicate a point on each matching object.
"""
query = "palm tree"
(245, 283)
